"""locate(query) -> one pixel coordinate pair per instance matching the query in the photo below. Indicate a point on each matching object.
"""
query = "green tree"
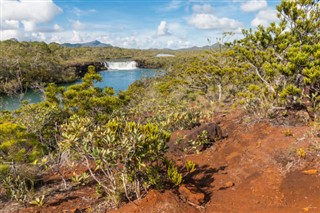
(285, 56)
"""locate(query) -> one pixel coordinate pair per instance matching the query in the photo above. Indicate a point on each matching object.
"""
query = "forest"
(121, 139)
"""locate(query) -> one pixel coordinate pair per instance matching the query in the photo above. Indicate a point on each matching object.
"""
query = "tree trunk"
(220, 92)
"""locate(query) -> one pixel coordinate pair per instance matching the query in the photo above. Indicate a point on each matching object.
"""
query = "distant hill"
(95, 43)
(207, 47)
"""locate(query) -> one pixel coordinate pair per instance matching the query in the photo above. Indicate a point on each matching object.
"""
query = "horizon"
(136, 24)
(151, 48)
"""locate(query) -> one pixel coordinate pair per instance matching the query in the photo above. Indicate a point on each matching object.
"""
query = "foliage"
(128, 154)
(284, 57)
(17, 145)
(38, 201)
(174, 176)
(82, 179)
(18, 188)
(190, 166)
(43, 120)
(301, 153)
(177, 120)
(213, 74)
(200, 141)
(84, 99)
(288, 133)
(18, 149)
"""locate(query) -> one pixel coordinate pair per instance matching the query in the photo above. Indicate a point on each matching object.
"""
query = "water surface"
(117, 79)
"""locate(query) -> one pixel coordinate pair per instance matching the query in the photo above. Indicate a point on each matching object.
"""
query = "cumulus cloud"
(265, 17)
(57, 27)
(11, 33)
(10, 24)
(26, 10)
(77, 25)
(20, 18)
(163, 29)
(209, 21)
(76, 37)
(253, 5)
(206, 8)
(39, 36)
(29, 26)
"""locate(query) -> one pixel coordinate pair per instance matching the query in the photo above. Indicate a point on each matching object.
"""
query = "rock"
(213, 130)
(229, 184)
(303, 118)
(191, 195)
(291, 116)
(310, 172)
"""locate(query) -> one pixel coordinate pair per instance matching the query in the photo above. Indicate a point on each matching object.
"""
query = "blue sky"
(132, 23)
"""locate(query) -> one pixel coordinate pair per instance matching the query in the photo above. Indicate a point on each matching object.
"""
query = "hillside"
(95, 43)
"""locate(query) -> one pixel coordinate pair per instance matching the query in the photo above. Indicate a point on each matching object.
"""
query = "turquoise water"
(118, 79)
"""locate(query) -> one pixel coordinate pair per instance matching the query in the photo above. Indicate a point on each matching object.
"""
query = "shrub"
(174, 176)
(129, 155)
(17, 145)
(18, 149)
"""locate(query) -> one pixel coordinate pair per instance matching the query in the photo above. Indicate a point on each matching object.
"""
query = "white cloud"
(76, 38)
(29, 26)
(26, 13)
(163, 29)
(10, 24)
(209, 21)
(206, 8)
(253, 5)
(77, 25)
(265, 17)
(26, 10)
(39, 36)
(11, 33)
(57, 27)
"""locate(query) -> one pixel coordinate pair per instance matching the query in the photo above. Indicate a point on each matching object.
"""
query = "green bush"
(18, 150)
(17, 145)
(129, 155)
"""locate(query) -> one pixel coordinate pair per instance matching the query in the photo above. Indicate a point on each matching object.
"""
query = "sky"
(133, 23)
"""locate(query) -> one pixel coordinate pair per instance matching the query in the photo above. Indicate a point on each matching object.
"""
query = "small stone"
(229, 184)
(191, 195)
(310, 172)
